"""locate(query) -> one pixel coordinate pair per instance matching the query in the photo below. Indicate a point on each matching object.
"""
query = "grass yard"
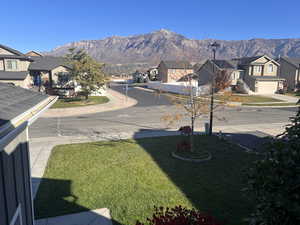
(131, 176)
(68, 103)
(247, 98)
(294, 94)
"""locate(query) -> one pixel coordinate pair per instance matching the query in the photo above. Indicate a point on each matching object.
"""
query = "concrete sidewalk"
(93, 217)
(116, 101)
(284, 98)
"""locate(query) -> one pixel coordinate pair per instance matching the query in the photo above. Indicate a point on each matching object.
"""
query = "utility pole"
(214, 47)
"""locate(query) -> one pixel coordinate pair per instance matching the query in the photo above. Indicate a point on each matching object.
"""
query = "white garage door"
(267, 87)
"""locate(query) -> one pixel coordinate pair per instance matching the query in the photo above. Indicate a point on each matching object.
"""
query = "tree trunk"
(192, 134)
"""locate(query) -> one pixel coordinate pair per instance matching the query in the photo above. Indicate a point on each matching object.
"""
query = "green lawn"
(247, 98)
(294, 94)
(129, 177)
(80, 101)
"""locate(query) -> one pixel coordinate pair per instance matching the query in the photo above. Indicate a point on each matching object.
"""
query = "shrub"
(179, 216)
(185, 130)
(275, 180)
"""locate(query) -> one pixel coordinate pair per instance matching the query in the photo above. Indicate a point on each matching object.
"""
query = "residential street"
(146, 116)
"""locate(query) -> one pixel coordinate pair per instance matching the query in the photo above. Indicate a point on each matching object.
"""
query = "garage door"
(267, 87)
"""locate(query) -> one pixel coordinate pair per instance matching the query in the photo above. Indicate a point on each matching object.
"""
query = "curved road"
(146, 116)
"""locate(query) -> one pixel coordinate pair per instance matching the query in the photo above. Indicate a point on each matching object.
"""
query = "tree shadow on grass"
(54, 199)
(214, 186)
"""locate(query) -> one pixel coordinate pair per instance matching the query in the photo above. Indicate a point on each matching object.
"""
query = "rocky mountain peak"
(165, 44)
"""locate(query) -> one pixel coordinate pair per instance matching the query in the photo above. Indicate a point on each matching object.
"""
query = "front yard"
(131, 176)
(294, 94)
(79, 101)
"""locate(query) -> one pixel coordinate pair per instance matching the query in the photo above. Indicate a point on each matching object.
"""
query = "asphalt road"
(146, 116)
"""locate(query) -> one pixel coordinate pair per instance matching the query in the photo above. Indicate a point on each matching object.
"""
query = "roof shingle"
(7, 75)
(16, 100)
(178, 64)
(47, 63)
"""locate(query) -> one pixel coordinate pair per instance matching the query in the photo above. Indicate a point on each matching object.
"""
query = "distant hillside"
(149, 49)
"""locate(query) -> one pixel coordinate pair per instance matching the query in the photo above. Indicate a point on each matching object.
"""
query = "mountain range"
(125, 54)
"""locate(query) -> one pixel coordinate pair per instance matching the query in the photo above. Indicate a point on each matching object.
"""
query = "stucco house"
(289, 70)
(261, 74)
(173, 71)
(46, 70)
(14, 67)
(210, 67)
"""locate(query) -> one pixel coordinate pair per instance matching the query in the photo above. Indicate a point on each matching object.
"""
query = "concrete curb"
(191, 160)
(274, 106)
(116, 101)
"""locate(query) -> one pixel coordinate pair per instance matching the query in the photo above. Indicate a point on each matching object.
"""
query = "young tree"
(86, 71)
(274, 181)
(193, 106)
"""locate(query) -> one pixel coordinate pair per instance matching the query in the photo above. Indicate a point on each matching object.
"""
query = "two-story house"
(290, 71)
(211, 67)
(261, 74)
(14, 67)
(173, 71)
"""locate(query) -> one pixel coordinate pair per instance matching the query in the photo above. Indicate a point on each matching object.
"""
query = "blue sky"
(44, 24)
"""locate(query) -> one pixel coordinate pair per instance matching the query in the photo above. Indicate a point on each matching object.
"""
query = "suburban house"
(172, 71)
(14, 67)
(261, 74)
(47, 70)
(210, 67)
(19, 108)
(289, 70)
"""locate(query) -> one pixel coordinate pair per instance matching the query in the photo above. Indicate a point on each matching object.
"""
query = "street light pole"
(214, 46)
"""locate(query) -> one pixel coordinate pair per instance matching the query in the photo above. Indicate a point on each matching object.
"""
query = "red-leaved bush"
(179, 216)
(185, 130)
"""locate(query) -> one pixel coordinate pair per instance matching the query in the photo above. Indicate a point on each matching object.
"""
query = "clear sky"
(44, 24)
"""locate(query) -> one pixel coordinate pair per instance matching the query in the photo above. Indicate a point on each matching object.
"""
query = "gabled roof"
(248, 60)
(225, 64)
(8, 75)
(47, 63)
(33, 53)
(177, 64)
(193, 76)
(294, 61)
(14, 101)
(14, 51)
(16, 54)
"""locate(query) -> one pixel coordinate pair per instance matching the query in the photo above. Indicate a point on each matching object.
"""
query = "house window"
(270, 68)
(257, 69)
(11, 64)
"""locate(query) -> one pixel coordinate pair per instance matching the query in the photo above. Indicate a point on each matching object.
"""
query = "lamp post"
(214, 47)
